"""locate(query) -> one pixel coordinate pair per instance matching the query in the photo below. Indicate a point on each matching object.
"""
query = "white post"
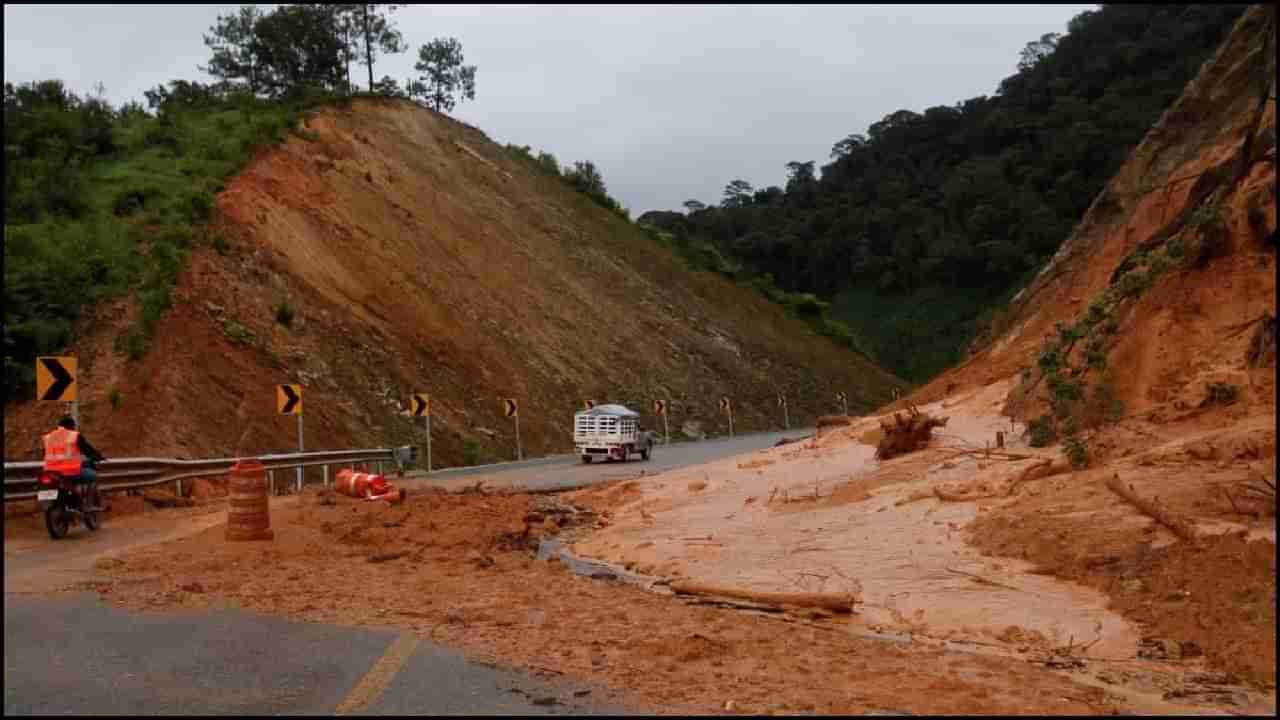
(428, 441)
(519, 450)
(786, 419)
(730, 419)
(666, 426)
(844, 401)
(300, 448)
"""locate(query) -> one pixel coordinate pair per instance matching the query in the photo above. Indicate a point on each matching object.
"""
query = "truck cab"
(610, 431)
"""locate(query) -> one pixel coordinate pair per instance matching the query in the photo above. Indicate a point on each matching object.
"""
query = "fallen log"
(983, 491)
(1180, 526)
(836, 602)
(913, 497)
(1039, 471)
(948, 496)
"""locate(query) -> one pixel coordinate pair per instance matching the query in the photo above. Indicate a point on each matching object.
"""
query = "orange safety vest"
(62, 452)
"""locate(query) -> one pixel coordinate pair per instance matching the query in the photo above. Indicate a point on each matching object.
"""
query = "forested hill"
(919, 231)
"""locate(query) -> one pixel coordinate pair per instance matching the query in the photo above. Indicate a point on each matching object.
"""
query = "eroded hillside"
(416, 254)
(1176, 256)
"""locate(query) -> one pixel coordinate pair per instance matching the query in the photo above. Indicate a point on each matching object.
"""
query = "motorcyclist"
(66, 451)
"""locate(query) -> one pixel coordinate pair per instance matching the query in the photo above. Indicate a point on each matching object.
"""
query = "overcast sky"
(670, 102)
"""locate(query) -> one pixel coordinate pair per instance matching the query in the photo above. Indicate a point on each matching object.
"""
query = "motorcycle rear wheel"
(93, 520)
(58, 521)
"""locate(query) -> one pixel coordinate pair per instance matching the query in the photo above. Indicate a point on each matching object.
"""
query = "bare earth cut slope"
(418, 255)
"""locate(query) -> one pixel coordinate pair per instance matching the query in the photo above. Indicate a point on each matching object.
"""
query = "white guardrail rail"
(21, 478)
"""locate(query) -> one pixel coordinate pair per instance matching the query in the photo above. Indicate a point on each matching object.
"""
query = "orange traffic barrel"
(359, 484)
(248, 513)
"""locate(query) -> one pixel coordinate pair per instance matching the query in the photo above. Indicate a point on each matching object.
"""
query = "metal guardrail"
(20, 478)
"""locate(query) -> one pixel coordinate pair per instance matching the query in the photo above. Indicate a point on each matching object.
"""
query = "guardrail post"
(325, 470)
(379, 467)
(177, 490)
(271, 481)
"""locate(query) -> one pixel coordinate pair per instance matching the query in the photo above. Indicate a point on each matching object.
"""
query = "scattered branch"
(984, 581)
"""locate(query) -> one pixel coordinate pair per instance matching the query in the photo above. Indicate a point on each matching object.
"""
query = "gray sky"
(670, 102)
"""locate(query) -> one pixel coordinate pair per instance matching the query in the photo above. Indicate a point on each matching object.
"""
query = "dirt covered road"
(468, 578)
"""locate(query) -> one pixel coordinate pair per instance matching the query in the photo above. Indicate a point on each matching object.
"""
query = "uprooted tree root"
(906, 434)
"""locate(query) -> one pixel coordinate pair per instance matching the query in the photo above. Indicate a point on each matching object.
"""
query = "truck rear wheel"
(586, 459)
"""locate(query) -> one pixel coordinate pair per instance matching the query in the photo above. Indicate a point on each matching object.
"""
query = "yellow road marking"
(379, 676)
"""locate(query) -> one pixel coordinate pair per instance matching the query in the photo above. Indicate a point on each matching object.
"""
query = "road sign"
(512, 410)
(841, 396)
(660, 407)
(588, 404)
(56, 378)
(895, 393)
(782, 401)
(724, 404)
(289, 399)
(421, 404)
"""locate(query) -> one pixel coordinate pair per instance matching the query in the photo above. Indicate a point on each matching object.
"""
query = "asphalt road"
(568, 471)
(75, 654)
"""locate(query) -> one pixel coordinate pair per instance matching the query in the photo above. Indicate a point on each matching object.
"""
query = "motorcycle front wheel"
(58, 520)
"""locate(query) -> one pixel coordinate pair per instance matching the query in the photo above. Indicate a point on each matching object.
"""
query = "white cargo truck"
(610, 431)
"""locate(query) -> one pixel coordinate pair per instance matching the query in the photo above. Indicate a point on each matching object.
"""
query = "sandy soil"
(755, 523)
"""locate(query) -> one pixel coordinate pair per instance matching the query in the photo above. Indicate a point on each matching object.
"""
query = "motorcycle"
(64, 501)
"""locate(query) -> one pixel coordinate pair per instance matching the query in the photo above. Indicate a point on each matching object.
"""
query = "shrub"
(284, 314)
(1103, 405)
(129, 202)
(1221, 394)
(238, 333)
(1041, 431)
(1077, 452)
(470, 452)
(134, 344)
(199, 206)
(114, 398)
